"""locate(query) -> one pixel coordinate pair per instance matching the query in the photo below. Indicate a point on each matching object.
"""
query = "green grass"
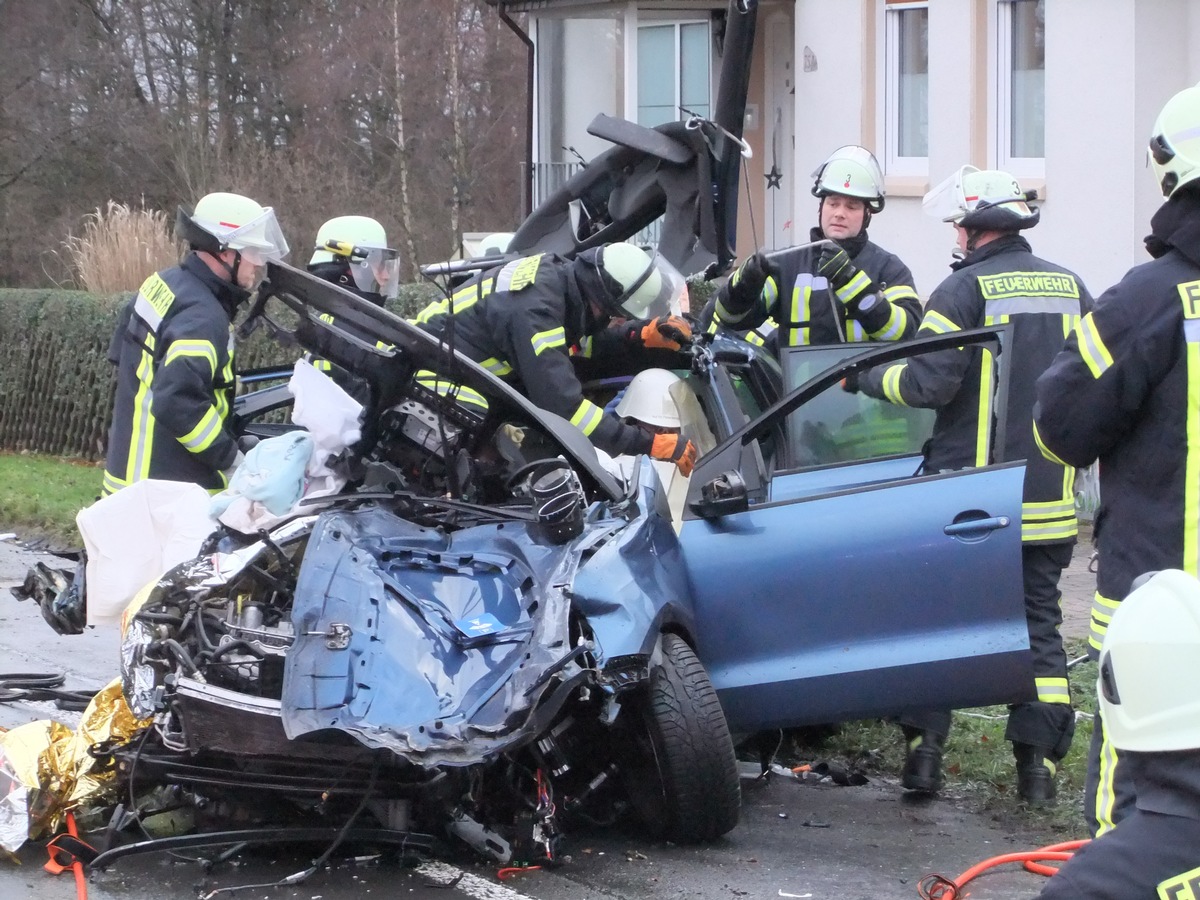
(40, 495)
(978, 763)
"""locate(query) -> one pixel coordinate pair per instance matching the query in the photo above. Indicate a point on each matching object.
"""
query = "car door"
(834, 579)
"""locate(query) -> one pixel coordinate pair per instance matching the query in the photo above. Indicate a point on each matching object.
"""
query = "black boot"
(1035, 775)
(923, 766)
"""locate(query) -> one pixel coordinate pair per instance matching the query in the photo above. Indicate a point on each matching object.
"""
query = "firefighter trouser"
(1049, 721)
(1108, 793)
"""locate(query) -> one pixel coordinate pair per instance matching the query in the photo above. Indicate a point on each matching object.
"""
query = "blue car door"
(833, 579)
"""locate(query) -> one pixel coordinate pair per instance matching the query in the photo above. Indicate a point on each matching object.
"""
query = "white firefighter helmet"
(851, 171)
(495, 244)
(231, 221)
(362, 243)
(984, 200)
(1175, 141)
(650, 399)
(1150, 666)
(650, 286)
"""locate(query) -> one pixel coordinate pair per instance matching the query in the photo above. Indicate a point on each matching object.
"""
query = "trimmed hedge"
(56, 384)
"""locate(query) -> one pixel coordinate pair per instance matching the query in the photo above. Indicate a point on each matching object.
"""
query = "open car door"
(833, 579)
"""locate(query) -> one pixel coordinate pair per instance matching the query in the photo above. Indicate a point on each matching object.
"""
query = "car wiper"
(478, 509)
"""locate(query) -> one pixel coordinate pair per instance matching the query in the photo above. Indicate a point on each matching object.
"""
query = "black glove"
(850, 382)
(851, 285)
(834, 263)
(746, 284)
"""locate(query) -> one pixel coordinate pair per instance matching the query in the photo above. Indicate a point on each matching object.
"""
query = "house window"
(1021, 84)
(674, 71)
(906, 87)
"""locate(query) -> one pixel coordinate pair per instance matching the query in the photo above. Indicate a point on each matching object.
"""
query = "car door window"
(838, 426)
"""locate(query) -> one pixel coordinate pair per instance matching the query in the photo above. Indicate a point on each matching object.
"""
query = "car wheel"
(683, 781)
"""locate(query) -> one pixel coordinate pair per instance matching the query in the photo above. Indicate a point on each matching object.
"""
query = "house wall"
(1110, 65)
(579, 76)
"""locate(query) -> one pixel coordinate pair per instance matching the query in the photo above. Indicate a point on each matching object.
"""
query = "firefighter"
(173, 349)
(1146, 690)
(850, 290)
(1126, 391)
(522, 320)
(352, 252)
(998, 279)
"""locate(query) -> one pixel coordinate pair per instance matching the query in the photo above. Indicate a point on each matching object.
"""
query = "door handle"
(971, 526)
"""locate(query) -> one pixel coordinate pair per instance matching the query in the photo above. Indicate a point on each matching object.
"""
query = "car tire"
(684, 784)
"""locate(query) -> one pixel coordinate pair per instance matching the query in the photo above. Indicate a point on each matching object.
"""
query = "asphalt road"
(796, 839)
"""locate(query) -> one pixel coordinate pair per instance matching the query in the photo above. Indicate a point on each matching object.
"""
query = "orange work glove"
(666, 333)
(675, 448)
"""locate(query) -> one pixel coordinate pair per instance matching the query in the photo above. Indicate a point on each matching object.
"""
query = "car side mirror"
(723, 496)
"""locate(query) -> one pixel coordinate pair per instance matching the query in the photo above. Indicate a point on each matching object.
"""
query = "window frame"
(888, 87)
(676, 23)
(1004, 21)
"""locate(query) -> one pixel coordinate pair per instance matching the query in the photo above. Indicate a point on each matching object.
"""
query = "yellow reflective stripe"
(936, 323)
(546, 340)
(900, 292)
(1091, 347)
(322, 365)
(891, 383)
(587, 346)
(222, 395)
(326, 317)
(202, 436)
(1048, 509)
(141, 429)
(1049, 531)
(984, 423)
(430, 380)
(801, 312)
(753, 337)
(497, 367)
(1046, 451)
(112, 483)
(853, 287)
(1106, 792)
(855, 333)
(461, 300)
(1191, 494)
(201, 349)
(770, 292)
(1053, 690)
(1102, 613)
(587, 416)
(893, 328)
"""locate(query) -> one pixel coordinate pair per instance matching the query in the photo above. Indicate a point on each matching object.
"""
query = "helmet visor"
(377, 271)
(947, 201)
(259, 240)
(659, 290)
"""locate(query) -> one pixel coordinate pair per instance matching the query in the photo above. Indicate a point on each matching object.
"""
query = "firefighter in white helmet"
(525, 319)
(1125, 391)
(353, 253)
(848, 289)
(173, 349)
(1146, 689)
(998, 279)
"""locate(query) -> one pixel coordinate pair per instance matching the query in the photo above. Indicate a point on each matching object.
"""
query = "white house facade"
(1062, 93)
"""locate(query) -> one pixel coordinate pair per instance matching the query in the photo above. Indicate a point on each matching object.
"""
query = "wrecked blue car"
(490, 634)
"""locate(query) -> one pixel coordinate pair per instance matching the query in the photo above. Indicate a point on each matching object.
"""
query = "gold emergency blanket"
(54, 763)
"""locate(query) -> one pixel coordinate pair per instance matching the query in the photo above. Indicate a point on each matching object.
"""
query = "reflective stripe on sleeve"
(1046, 451)
(587, 416)
(547, 340)
(894, 327)
(1053, 690)
(936, 323)
(853, 287)
(200, 349)
(1091, 347)
(497, 367)
(891, 384)
(202, 436)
